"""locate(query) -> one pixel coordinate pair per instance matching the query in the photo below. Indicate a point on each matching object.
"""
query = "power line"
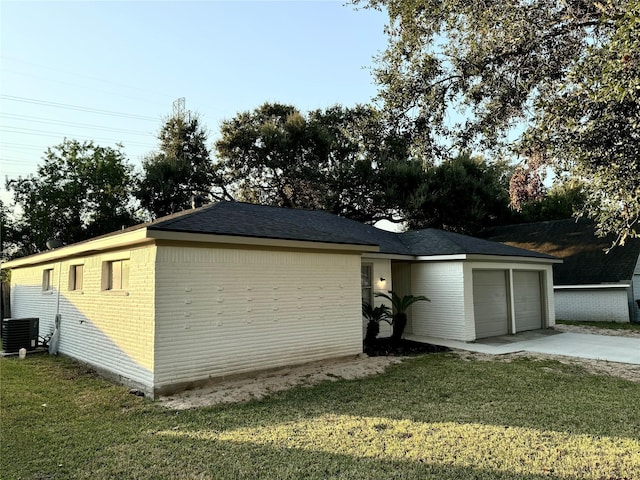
(146, 89)
(79, 108)
(87, 87)
(98, 79)
(43, 133)
(74, 124)
(21, 146)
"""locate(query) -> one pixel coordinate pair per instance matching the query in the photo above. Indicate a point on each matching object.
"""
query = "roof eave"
(590, 286)
(257, 241)
(125, 239)
(487, 258)
(389, 256)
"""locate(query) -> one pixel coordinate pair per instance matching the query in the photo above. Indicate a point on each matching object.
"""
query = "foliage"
(569, 70)
(527, 185)
(401, 304)
(374, 315)
(378, 314)
(562, 200)
(7, 234)
(181, 169)
(591, 124)
(462, 195)
(400, 307)
(343, 160)
(82, 190)
(441, 416)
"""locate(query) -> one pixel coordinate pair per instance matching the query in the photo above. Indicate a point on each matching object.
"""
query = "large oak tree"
(555, 82)
(343, 160)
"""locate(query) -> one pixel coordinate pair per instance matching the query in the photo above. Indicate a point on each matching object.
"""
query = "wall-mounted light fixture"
(382, 279)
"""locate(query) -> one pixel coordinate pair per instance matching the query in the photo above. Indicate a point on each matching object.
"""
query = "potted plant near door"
(400, 306)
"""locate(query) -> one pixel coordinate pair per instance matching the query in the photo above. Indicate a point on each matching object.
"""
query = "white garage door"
(527, 300)
(490, 303)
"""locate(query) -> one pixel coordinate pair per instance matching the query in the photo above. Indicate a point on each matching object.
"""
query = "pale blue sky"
(64, 62)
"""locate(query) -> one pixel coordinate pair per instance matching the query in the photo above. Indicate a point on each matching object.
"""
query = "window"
(47, 280)
(366, 274)
(75, 277)
(116, 275)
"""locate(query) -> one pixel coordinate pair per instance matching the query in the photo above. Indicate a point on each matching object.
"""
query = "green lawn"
(435, 416)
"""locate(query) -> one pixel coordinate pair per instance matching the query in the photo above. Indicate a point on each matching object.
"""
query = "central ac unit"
(20, 333)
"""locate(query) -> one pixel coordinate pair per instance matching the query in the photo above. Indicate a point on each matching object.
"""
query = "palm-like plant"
(400, 306)
(375, 315)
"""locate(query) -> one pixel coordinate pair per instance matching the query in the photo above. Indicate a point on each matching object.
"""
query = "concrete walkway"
(581, 345)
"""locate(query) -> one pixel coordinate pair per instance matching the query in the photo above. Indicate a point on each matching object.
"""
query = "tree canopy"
(462, 195)
(470, 74)
(181, 169)
(339, 159)
(591, 124)
(81, 190)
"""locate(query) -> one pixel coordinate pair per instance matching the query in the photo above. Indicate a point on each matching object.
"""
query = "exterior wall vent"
(20, 333)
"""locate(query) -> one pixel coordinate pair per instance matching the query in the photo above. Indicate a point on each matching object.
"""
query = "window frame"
(363, 287)
(74, 285)
(47, 280)
(119, 266)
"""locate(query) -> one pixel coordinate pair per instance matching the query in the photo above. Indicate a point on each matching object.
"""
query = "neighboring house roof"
(574, 241)
(432, 241)
(236, 219)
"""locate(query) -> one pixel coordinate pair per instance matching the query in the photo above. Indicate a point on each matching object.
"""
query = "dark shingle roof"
(432, 241)
(249, 220)
(585, 260)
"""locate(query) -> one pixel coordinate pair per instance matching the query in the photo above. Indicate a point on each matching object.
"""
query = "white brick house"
(232, 288)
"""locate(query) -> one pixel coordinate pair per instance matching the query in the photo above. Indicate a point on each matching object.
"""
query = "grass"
(434, 416)
(606, 325)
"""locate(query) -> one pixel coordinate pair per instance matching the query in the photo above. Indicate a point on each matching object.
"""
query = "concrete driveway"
(549, 341)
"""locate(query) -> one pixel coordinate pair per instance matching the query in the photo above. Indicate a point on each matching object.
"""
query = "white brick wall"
(226, 311)
(110, 330)
(596, 304)
(443, 284)
(449, 285)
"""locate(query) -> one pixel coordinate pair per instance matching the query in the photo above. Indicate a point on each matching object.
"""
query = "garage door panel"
(527, 300)
(490, 303)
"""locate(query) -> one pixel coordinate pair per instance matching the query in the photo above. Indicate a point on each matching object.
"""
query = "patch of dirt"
(264, 384)
(596, 330)
(382, 354)
(599, 367)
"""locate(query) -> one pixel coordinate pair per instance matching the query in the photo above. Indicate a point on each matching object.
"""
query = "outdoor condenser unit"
(20, 333)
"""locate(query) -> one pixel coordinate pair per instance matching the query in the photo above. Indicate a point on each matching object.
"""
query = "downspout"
(55, 338)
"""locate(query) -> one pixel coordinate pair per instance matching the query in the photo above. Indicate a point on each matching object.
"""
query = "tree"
(567, 70)
(563, 200)
(339, 159)
(462, 195)
(272, 156)
(80, 191)
(7, 233)
(180, 170)
(591, 124)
